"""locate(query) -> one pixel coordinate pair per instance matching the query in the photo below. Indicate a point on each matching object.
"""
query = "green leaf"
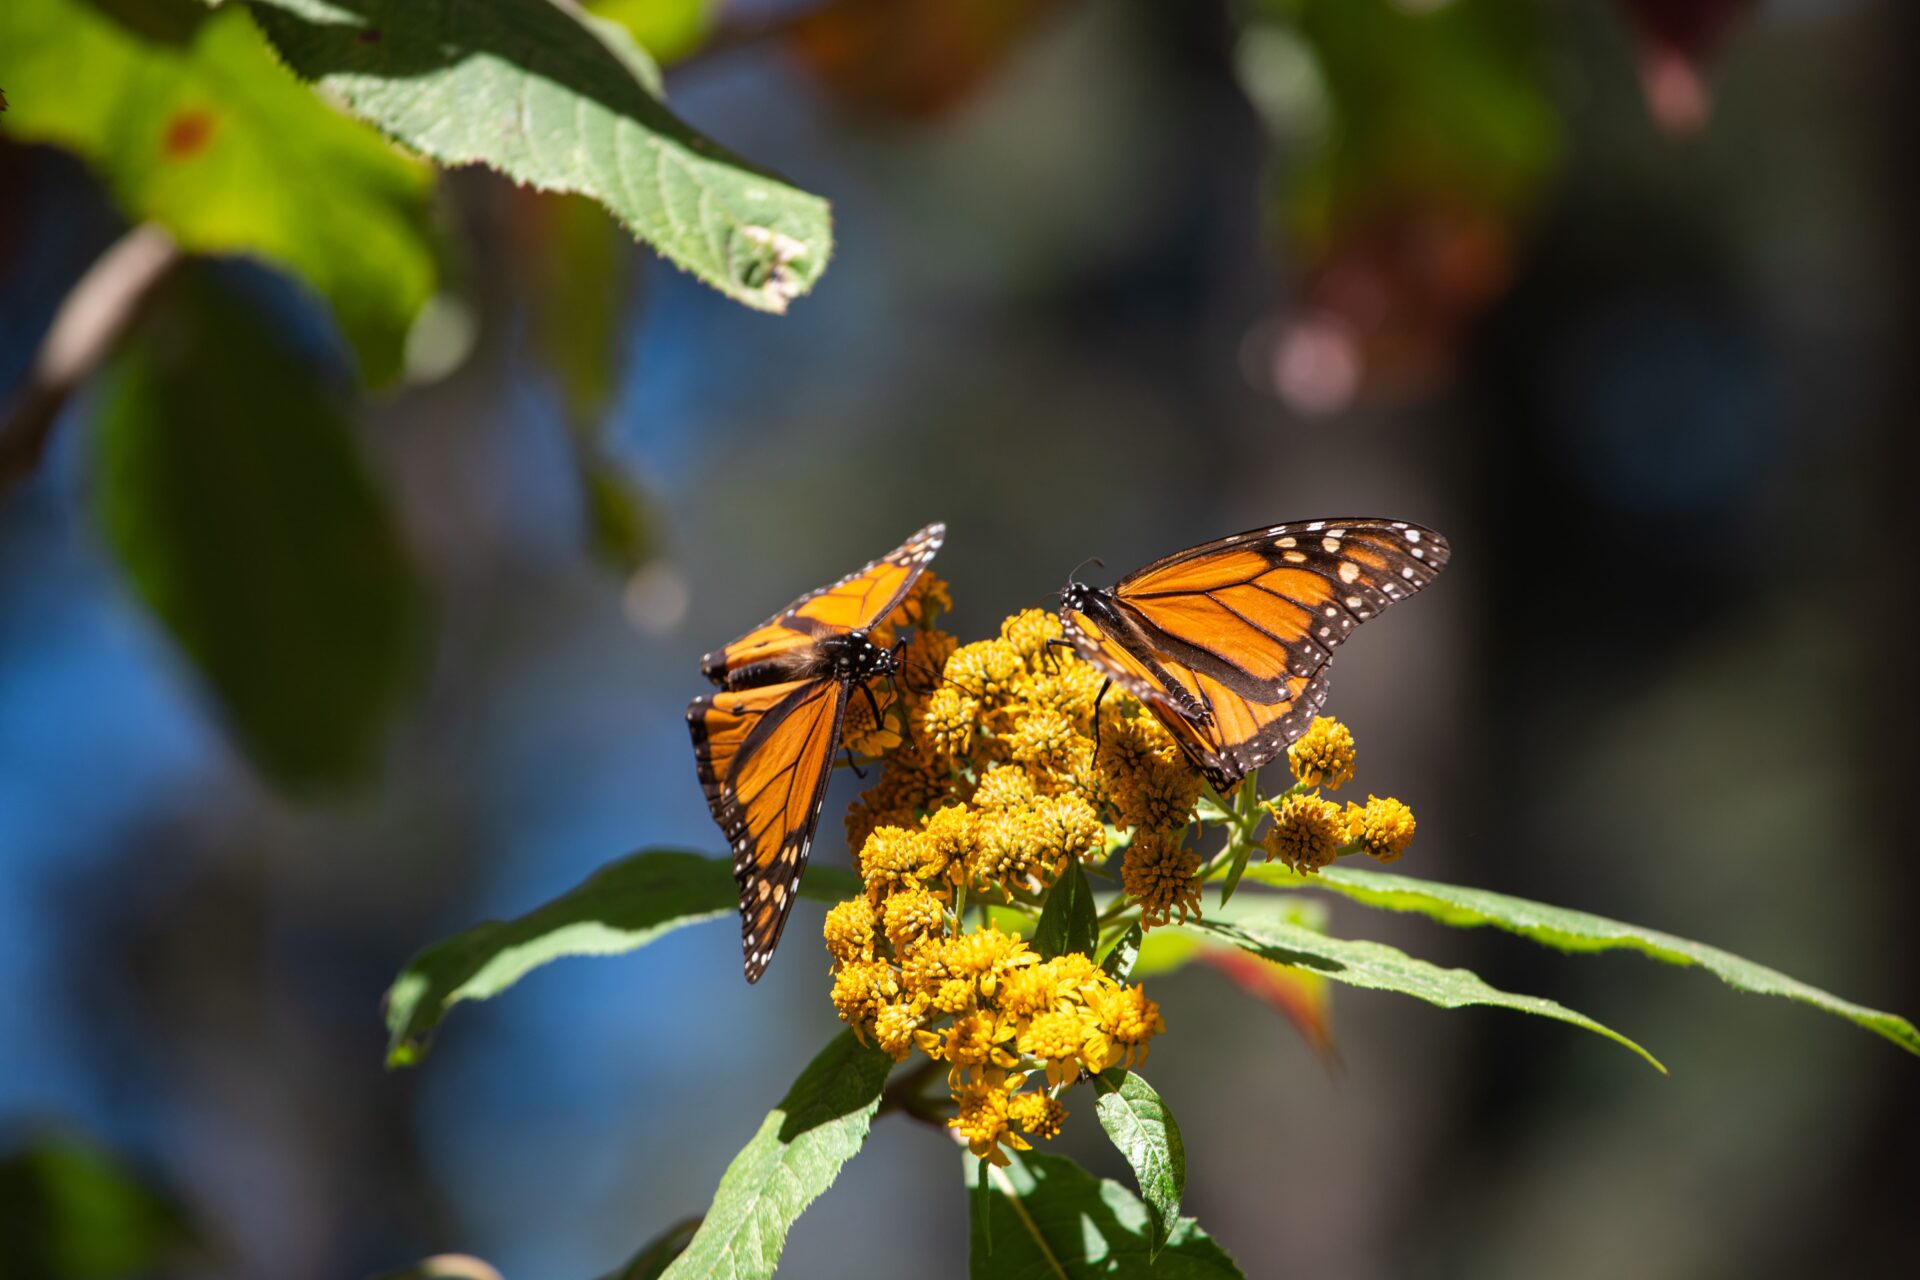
(70, 1211)
(619, 908)
(530, 89)
(1069, 921)
(190, 122)
(1377, 99)
(1379, 967)
(1143, 1130)
(658, 1254)
(576, 265)
(1049, 1219)
(819, 1126)
(1119, 961)
(1235, 869)
(667, 29)
(236, 501)
(981, 1208)
(1576, 931)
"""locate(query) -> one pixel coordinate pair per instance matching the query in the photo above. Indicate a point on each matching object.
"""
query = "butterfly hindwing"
(1228, 643)
(764, 755)
(854, 603)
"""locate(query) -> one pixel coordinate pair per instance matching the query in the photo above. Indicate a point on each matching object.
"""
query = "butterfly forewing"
(854, 603)
(1262, 607)
(1228, 643)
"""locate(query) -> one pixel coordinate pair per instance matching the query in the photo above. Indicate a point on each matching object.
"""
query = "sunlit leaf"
(667, 29)
(1577, 931)
(820, 1125)
(562, 102)
(191, 123)
(619, 908)
(1144, 1131)
(1049, 1219)
(1378, 967)
(239, 508)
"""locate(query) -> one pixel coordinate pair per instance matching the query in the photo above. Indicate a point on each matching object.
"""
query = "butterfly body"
(1228, 643)
(849, 656)
(764, 743)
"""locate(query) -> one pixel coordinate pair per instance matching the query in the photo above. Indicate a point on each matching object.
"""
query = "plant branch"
(92, 319)
(907, 1095)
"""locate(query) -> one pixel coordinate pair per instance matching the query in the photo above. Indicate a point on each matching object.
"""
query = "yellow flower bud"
(1307, 832)
(1323, 755)
(1383, 826)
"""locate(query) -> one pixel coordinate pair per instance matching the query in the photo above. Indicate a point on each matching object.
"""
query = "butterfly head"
(856, 657)
(1077, 596)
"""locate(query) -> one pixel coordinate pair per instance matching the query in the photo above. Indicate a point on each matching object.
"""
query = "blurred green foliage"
(234, 496)
(1409, 102)
(667, 29)
(70, 1211)
(191, 123)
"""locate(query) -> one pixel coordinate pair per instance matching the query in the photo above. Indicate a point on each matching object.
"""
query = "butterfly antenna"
(939, 677)
(1083, 564)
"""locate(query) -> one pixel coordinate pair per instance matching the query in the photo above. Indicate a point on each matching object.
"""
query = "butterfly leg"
(858, 772)
(899, 697)
(1097, 699)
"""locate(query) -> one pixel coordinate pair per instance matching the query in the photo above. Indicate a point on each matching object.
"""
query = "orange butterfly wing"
(764, 755)
(856, 602)
(1228, 643)
(764, 745)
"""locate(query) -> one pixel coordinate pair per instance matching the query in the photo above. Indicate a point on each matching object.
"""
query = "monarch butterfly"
(764, 745)
(1228, 643)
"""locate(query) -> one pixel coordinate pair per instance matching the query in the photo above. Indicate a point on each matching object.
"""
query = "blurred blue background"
(1667, 678)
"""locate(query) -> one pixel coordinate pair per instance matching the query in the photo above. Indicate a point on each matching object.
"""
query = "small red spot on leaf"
(369, 35)
(187, 135)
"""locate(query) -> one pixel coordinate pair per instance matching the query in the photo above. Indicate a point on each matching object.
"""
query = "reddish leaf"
(1300, 997)
(1677, 38)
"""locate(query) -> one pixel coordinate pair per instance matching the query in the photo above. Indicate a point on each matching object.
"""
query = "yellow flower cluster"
(989, 789)
(988, 793)
(1308, 831)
